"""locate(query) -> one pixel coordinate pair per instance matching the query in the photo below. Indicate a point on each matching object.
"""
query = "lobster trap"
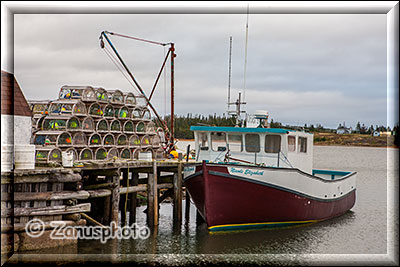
(84, 93)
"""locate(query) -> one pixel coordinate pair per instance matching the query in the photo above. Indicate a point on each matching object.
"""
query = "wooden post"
(107, 206)
(187, 196)
(152, 197)
(124, 198)
(187, 205)
(132, 211)
(115, 197)
(177, 211)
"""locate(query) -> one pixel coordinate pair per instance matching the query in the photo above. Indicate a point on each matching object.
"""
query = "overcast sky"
(312, 69)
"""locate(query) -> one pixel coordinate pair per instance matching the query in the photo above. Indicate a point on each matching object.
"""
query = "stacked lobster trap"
(94, 124)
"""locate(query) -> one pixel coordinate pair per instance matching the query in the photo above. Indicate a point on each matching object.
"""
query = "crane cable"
(117, 64)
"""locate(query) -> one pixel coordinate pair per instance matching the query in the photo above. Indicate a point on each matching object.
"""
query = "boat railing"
(285, 159)
(330, 174)
(221, 156)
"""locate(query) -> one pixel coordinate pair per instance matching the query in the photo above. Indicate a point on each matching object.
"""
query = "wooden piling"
(107, 206)
(187, 205)
(132, 210)
(115, 197)
(187, 196)
(177, 210)
(124, 197)
(152, 197)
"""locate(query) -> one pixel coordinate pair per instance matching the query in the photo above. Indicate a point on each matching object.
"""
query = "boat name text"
(246, 171)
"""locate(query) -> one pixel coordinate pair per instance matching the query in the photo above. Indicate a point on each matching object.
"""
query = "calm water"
(363, 230)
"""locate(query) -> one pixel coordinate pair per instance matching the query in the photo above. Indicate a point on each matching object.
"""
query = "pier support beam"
(152, 197)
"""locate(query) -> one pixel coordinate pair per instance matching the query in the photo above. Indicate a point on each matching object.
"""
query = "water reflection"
(362, 230)
(272, 241)
(195, 239)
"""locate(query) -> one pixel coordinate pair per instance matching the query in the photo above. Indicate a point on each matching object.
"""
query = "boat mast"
(245, 54)
(234, 113)
(238, 111)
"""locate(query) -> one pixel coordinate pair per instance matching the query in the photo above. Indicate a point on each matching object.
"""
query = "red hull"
(223, 200)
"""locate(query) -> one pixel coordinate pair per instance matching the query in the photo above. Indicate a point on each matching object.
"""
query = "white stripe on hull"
(296, 181)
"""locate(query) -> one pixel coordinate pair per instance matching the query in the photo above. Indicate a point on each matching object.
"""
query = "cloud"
(298, 65)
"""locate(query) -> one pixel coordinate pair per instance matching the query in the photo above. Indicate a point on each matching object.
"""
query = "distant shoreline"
(360, 140)
(355, 140)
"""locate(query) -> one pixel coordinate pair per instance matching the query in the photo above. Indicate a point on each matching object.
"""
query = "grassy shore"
(333, 139)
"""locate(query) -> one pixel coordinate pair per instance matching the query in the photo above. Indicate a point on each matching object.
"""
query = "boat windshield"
(218, 141)
(272, 144)
(235, 142)
(203, 141)
(252, 143)
(302, 144)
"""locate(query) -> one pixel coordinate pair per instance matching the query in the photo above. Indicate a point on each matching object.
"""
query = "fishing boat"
(263, 178)
(254, 176)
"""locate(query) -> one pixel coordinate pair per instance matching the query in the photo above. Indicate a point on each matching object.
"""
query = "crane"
(171, 52)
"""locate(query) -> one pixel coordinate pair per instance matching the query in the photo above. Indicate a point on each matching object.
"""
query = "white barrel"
(147, 156)
(6, 157)
(67, 158)
(24, 156)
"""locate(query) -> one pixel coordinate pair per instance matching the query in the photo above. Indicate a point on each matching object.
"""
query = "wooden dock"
(93, 194)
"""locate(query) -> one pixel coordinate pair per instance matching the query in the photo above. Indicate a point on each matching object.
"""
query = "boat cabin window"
(218, 141)
(272, 143)
(235, 142)
(203, 141)
(302, 144)
(291, 143)
(252, 142)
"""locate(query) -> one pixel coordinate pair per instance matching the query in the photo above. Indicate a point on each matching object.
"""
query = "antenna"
(230, 70)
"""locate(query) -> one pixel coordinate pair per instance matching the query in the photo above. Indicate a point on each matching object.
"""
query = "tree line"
(182, 125)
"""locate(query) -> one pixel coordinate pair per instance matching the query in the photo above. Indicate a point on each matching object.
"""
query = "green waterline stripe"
(246, 226)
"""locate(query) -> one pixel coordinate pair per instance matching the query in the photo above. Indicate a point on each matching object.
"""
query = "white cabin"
(271, 147)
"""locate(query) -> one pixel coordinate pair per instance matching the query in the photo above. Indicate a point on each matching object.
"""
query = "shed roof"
(13, 101)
